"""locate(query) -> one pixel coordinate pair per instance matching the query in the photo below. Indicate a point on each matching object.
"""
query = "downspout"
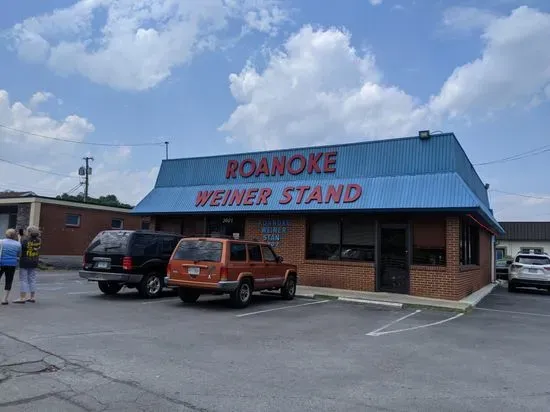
(493, 263)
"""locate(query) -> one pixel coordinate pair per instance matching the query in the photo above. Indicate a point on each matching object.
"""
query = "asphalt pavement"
(77, 350)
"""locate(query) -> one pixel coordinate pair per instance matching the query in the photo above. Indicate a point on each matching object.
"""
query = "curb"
(372, 302)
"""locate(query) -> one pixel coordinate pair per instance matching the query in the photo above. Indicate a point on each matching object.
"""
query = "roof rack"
(213, 236)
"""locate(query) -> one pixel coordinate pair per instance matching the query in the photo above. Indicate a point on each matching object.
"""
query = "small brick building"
(67, 227)
(406, 215)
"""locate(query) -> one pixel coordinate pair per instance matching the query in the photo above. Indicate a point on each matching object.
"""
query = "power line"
(80, 142)
(34, 169)
(521, 195)
(532, 152)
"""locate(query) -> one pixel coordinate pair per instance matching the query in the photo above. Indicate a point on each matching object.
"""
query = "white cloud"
(319, 89)
(117, 177)
(141, 41)
(316, 90)
(467, 18)
(40, 97)
(513, 69)
(375, 2)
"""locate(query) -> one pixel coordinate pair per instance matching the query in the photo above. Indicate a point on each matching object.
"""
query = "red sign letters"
(321, 162)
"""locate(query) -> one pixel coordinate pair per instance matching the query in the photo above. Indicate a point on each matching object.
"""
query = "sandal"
(18, 301)
(31, 300)
(4, 303)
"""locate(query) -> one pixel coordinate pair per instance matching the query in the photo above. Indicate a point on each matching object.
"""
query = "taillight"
(547, 268)
(223, 273)
(127, 263)
(515, 268)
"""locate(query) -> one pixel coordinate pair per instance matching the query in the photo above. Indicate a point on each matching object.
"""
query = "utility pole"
(87, 173)
(166, 145)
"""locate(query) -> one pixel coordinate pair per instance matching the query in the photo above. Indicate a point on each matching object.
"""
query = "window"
(72, 220)
(110, 242)
(500, 253)
(254, 253)
(358, 239)
(469, 243)
(269, 256)
(429, 243)
(145, 245)
(199, 251)
(533, 260)
(238, 252)
(536, 250)
(168, 245)
(350, 238)
(117, 224)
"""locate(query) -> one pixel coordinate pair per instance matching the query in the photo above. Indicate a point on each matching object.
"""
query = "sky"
(119, 77)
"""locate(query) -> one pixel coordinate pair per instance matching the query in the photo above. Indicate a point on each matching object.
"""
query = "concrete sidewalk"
(394, 299)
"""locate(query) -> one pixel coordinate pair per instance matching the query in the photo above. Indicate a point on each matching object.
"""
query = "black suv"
(131, 258)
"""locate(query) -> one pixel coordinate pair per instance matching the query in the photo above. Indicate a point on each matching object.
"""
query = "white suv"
(529, 270)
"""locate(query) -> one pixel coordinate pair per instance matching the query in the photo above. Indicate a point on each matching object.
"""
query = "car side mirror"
(509, 262)
(280, 259)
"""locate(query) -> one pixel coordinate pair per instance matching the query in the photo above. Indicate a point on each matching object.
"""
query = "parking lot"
(77, 350)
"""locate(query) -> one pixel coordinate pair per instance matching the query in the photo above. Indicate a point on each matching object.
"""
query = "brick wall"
(59, 239)
(443, 282)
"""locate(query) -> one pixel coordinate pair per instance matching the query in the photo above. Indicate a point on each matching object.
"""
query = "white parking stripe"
(393, 322)
(82, 293)
(515, 313)
(417, 327)
(281, 308)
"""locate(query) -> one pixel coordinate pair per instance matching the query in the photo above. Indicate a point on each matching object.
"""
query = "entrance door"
(393, 266)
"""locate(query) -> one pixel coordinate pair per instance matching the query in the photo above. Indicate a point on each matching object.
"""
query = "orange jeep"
(201, 265)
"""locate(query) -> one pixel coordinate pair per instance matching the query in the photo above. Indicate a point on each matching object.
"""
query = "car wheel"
(288, 291)
(188, 295)
(109, 288)
(240, 298)
(151, 286)
(511, 288)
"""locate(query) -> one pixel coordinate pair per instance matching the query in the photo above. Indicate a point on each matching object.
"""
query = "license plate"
(533, 271)
(102, 265)
(194, 271)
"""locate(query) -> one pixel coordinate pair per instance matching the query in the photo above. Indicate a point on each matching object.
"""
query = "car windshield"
(111, 241)
(533, 260)
(199, 250)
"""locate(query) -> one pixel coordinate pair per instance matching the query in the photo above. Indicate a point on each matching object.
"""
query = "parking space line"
(514, 312)
(393, 322)
(282, 308)
(158, 301)
(427, 325)
(89, 292)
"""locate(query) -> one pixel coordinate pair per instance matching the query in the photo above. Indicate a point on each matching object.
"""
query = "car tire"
(241, 297)
(511, 288)
(151, 285)
(288, 291)
(109, 288)
(188, 295)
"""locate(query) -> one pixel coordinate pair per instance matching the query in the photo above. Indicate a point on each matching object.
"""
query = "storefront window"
(429, 243)
(469, 243)
(341, 239)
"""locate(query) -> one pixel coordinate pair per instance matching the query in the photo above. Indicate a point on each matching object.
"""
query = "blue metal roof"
(397, 174)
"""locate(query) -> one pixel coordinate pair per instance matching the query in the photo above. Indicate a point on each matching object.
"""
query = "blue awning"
(438, 191)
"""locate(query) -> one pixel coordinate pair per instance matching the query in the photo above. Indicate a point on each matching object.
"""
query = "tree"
(107, 200)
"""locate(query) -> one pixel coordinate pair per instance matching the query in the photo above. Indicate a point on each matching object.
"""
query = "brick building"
(406, 215)
(67, 227)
